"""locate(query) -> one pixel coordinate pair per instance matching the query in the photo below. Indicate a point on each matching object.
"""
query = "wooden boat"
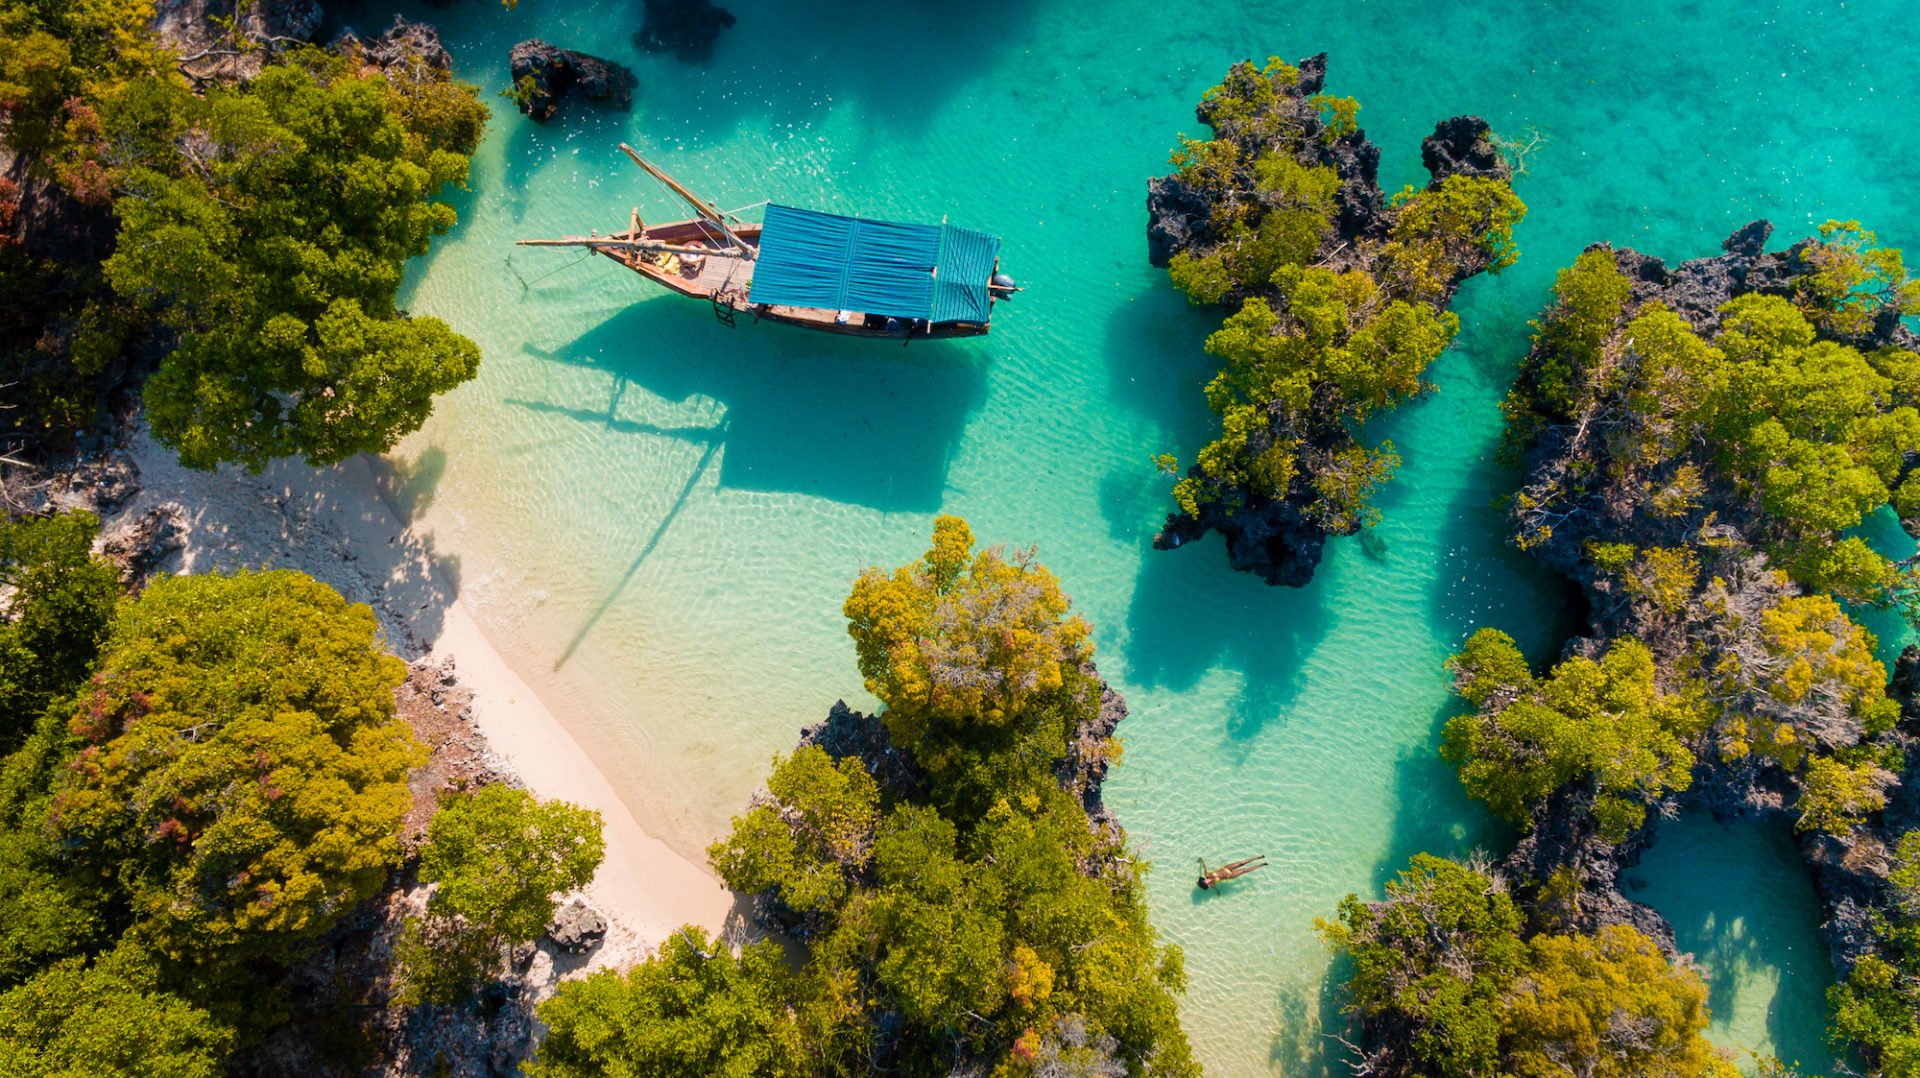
(820, 271)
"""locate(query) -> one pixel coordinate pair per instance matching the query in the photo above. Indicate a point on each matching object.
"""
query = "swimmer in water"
(1209, 880)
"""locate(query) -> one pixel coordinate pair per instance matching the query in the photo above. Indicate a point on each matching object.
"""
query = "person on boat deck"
(842, 318)
(1209, 880)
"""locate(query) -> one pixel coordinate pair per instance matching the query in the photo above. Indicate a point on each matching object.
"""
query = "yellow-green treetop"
(243, 772)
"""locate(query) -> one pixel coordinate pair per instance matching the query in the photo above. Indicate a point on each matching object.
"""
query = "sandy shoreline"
(334, 524)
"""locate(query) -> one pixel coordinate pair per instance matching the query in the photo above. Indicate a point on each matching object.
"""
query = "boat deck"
(726, 281)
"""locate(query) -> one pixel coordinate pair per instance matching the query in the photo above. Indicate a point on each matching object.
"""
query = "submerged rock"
(544, 74)
(686, 28)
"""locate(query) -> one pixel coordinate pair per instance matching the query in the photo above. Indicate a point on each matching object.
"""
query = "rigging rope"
(526, 285)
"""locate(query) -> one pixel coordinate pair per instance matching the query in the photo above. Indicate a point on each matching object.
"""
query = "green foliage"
(1835, 795)
(1295, 212)
(496, 857)
(809, 837)
(1443, 958)
(1605, 723)
(1877, 1008)
(1853, 280)
(243, 775)
(46, 911)
(1589, 298)
(1205, 279)
(1311, 350)
(264, 224)
(275, 254)
(1800, 677)
(1243, 107)
(1438, 955)
(106, 1020)
(52, 625)
(59, 59)
(693, 1008)
(1339, 114)
(1612, 1003)
(961, 640)
(1334, 341)
(1445, 233)
(1804, 436)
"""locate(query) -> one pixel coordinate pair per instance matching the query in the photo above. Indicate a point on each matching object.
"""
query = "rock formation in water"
(850, 734)
(1290, 182)
(686, 28)
(543, 74)
(1625, 497)
(1697, 441)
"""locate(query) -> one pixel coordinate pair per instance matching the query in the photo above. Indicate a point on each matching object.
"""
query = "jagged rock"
(402, 45)
(47, 221)
(1564, 840)
(543, 74)
(849, 733)
(99, 484)
(147, 544)
(686, 28)
(1174, 211)
(1270, 538)
(1850, 870)
(1463, 146)
(1090, 747)
(577, 928)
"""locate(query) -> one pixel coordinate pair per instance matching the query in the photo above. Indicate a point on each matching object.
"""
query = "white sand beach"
(334, 524)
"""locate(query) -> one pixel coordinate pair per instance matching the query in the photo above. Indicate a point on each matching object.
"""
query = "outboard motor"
(1003, 286)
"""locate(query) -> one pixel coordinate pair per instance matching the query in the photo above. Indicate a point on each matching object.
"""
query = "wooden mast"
(706, 210)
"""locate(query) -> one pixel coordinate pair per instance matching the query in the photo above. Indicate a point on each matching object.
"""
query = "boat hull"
(726, 283)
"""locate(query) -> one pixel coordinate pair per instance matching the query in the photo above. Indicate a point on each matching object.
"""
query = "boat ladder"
(723, 310)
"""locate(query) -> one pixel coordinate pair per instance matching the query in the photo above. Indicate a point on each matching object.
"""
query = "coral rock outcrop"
(544, 74)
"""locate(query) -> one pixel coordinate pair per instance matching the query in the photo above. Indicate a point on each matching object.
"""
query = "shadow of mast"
(660, 530)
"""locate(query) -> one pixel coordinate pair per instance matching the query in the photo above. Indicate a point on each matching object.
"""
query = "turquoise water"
(660, 516)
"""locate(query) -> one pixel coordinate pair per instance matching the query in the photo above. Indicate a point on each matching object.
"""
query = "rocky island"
(1337, 294)
(1699, 442)
(966, 903)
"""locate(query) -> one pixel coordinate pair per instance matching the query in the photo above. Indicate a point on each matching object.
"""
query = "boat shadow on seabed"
(862, 422)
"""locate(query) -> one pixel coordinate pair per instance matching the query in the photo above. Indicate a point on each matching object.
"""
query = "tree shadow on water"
(1303, 1041)
(1191, 614)
(1735, 931)
(866, 422)
(1432, 813)
(1161, 367)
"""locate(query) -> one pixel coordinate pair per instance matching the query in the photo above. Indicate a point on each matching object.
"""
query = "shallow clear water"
(662, 515)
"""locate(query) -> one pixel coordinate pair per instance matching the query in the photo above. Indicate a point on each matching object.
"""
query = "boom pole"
(597, 242)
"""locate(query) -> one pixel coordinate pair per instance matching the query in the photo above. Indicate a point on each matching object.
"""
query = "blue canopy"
(824, 260)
